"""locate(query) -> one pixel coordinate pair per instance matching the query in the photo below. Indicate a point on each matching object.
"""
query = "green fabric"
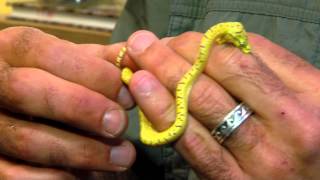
(293, 24)
(142, 14)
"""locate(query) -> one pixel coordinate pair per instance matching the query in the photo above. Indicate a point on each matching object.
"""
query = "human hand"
(280, 141)
(43, 76)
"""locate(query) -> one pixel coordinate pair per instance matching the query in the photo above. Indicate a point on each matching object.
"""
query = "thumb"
(139, 41)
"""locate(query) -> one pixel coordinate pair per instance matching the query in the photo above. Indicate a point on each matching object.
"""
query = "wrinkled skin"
(62, 107)
(279, 141)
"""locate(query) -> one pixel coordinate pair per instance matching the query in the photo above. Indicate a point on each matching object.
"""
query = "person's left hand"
(280, 141)
(62, 107)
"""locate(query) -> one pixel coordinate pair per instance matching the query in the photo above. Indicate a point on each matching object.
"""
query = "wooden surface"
(73, 34)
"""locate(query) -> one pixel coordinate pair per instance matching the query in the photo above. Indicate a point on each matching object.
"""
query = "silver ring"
(231, 122)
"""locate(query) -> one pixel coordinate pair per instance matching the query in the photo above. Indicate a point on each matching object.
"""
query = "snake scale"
(226, 32)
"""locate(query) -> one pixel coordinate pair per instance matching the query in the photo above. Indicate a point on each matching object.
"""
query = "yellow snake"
(227, 32)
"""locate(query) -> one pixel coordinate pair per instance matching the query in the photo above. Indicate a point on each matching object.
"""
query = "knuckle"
(225, 55)
(20, 29)
(301, 117)
(257, 39)
(58, 158)
(207, 104)
(166, 110)
(306, 144)
(166, 114)
(180, 41)
(163, 111)
(157, 52)
(279, 163)
(18, 32)
(159, 59)
(50, 94)
(52, 57)
(172, 77)
(259, 74)
(78, 104)
(23, 41)
(81, 103)
(158, 56)
(201, 96)
(28, 43)
(251, 70)
(84, 159)
(16, 94)
(19, 144)
(111, 76)
(190, 35)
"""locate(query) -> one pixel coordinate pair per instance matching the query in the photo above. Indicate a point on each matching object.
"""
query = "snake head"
(244, 45)
(237, 35)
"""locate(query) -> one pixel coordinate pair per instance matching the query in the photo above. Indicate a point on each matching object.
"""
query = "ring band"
(231, 122)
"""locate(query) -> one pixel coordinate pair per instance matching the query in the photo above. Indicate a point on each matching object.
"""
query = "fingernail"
(141, 41)
(122, 155)
(114, 122)
(124, 98)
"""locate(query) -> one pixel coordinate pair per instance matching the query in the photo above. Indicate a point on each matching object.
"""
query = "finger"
(250, 144)
(196, 145)
(215, 103)
(293, 71)
(186, 45)
(250, 80)
(39, 93)
(109, 53)
(14, 171)
(34, 142)
(206, 156)
(145, 89)
(269, 92)
(33, 48)
(207, 99)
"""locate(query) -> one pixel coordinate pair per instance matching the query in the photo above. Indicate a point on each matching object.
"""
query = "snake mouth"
(242, 42)
(245, 47)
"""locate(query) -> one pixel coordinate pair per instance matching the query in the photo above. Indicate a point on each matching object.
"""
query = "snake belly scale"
(226, 32)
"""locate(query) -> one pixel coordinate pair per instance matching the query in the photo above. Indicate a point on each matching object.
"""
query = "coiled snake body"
(227, 32)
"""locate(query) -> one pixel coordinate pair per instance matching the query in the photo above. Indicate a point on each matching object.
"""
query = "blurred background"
(79, 21)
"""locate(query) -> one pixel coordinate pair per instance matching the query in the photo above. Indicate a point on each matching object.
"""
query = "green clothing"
(293, 24)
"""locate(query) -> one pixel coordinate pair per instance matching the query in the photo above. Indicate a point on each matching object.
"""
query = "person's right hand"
(43, 76)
